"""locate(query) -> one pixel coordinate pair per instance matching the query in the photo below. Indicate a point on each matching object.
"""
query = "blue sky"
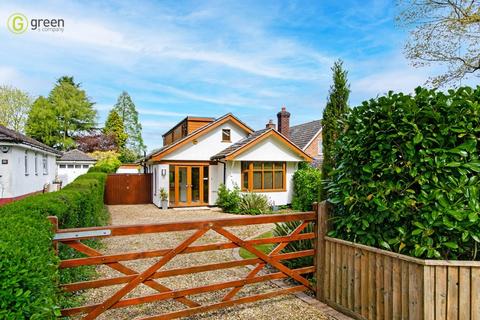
(207, 58)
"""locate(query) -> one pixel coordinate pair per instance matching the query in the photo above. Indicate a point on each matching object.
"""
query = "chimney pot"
(270, 124)
(284, 122)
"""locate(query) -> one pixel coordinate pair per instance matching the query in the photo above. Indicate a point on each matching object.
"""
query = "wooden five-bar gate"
(150, 277)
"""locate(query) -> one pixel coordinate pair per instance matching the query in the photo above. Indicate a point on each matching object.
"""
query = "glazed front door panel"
(183, 185)
(195, 185)
(189, 186)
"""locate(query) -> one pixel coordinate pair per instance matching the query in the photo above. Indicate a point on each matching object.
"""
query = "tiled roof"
(237, 145)
(76, 155)
(8, 135)
(303, 133)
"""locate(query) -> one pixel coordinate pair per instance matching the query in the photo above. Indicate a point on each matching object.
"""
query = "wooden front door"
(190, 186)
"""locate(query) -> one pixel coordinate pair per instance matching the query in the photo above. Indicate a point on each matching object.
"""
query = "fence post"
(321, 229)
(54, 221)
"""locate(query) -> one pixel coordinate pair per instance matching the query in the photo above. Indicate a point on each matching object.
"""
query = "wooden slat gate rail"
(132, 278)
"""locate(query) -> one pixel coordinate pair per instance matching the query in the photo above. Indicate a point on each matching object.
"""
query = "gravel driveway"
(283, 307)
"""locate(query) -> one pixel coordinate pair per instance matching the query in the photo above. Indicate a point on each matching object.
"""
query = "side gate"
(153, 275)
(128, 188)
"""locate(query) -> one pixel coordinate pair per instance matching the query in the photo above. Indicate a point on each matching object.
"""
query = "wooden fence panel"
(370, 283)
(128, 188)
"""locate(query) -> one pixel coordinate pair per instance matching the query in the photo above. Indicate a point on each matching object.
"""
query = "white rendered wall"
(159, 181)
(128, 170)
(269, 149)
(277, 198)
(67, 175)
(14, 182)
(216, 178)
(208, 144)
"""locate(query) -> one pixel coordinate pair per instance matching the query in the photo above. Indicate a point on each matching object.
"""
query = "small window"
(45, 164)
(62, 166)
(85, 166)
(26, 163)
(77, 166)
(226, 135)
(36, 164)
(320, 147)
(70, 166)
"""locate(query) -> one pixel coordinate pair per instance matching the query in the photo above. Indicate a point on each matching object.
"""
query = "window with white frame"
(26, 162)
(45, 164)
(320, 147)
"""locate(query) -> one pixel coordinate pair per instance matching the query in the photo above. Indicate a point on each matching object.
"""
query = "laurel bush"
(407, 174)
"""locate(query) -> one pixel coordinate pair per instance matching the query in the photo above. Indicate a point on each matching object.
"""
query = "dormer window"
(226, 135)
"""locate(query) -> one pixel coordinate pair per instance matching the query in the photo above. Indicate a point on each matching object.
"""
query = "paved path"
(283, 307)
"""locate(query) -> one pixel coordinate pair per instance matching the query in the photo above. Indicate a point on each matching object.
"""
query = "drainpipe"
(224, 172)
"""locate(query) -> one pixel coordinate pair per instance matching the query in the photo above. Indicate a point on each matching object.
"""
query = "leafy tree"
(42, 123)
(107, 161)
(129, 115)
(127, 155)
(66, 112)
(334, 116)
(96, 142)
(114, 126)
(444, 32)
(14, 108)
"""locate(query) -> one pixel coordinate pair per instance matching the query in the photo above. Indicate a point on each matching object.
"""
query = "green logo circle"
(17, 23)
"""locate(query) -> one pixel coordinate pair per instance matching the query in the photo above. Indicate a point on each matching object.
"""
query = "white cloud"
(156, 112)
(404, 80)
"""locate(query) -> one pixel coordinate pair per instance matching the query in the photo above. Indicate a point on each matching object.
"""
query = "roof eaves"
(196, 132)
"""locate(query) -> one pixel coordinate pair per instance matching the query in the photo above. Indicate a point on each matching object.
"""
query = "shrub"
(253, 203)
(286, 228)
(28, 273)
(307, 183)
(107, 161)
(407, 174)
(228, 200)
(28, 265)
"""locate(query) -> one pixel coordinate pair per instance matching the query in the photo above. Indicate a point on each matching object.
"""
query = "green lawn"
(265, 248)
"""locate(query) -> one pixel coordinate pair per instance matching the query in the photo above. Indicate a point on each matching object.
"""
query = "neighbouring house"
(307, 136)
(129, 168)
(72, 164)
(27, 166)
(200, 154)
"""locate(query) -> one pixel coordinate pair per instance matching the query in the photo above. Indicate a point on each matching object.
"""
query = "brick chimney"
(284, 122)
(270, 125)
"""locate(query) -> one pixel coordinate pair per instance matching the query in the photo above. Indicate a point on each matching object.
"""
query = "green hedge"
(407, 175)
(307, 183)
(28, 265)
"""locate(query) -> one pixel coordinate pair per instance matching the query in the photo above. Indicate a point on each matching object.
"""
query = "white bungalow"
(72, 164)
(27, 166)
(199, 154)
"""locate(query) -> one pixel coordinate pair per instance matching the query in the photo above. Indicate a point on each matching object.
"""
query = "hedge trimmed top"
(407, 174)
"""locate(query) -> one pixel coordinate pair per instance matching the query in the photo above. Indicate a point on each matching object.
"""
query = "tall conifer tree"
(129, 115)
(333, 116)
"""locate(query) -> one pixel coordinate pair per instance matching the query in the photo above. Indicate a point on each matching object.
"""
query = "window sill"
(229, 141)
(266, 190)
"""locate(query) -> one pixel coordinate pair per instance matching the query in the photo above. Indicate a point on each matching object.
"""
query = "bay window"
(263, 176)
